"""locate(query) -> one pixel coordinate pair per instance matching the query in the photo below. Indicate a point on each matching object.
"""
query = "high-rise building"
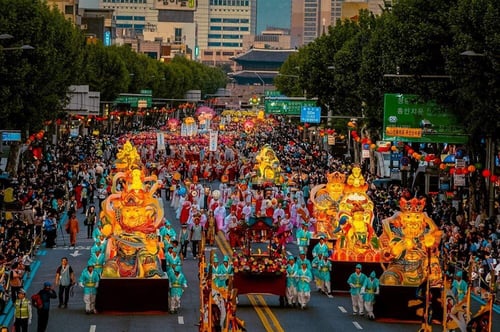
(311, 18)
(221, 25)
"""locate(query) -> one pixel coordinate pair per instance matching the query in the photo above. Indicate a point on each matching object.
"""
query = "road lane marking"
(92, 328)
(357, 325)
(260, 313)
(270, 314)
(180, 320)
(341, 308)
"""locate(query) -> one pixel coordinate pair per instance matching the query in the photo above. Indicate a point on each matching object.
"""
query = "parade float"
(259, 260)
(130, 217)
(404, 256)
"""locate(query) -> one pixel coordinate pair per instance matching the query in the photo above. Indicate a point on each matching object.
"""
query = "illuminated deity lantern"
(130, 217)
(411, 234)
(356, 238)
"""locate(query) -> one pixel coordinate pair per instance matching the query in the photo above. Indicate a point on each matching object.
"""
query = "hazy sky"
(274, 13)
(269, 12)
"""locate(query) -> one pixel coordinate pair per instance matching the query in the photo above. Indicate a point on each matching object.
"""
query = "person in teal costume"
(177, 285)
(291, 282)
(304, 278)
(356, 281)
(302, 258)
(324, 266)
(97, 259)
(321, 247)
(369, 290)
(89, 280)
(459, 287)
(224, 272)
(303, 237)
(172, 259)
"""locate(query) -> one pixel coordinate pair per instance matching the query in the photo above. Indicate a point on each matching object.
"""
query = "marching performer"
(356, 281)
(369, 290)
(291, 282)
(178, 284)
(304, 278)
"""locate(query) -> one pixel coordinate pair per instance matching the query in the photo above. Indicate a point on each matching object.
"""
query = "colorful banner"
(212, 145)
(160, 141)
(406, 119)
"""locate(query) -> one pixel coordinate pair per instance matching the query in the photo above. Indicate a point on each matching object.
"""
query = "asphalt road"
(261, 313)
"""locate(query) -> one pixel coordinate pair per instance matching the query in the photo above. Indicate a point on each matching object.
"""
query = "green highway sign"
(406, 119)
(135, 100)
(284, 106)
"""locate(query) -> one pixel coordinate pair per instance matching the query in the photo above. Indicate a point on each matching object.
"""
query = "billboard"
(175, 4)
(406, 119)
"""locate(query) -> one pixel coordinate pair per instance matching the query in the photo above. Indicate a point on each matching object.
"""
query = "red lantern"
(453, 170)
(458, 171)
(410, 151)
(471, 168)
(437, 161)
(493, 178)
(442, 166)
(486, 173)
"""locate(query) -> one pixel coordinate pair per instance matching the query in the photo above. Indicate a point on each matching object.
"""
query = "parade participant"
(224, 273)
(177, 285)
(302, 258)
(173, 260)
(65, 277)
(72, 228)
(291, 282)
(89, 281)
(220, 215)
(369, 289)
(183, 239)
(23, 313)
(278, 212)
(324, 270)
(97, 259)
(304, 277)
(214, 270)
(211, 228)
(46, 294)
(303, 237)
(247, 211)
(356, 281)
(195, 236)
(321, 247)
(50, 231)
(90, 220)
(459, 287)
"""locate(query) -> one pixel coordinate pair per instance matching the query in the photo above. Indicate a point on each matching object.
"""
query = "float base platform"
(248, 283)
(132, 295)
(401, 303)
(342, 270)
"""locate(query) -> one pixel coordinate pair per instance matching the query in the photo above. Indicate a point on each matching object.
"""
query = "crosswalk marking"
(341, 308)
(180, 320)
(92, 328)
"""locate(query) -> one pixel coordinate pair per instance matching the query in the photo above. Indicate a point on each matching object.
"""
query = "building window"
(214, 44)
(139, 18)
(215, 28)
(178, 36)
(213, 35)
(68, 10)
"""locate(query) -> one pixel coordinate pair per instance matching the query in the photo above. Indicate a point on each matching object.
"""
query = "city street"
(260, 312)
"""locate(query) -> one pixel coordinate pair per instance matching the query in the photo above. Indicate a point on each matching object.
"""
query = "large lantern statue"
(130, 217)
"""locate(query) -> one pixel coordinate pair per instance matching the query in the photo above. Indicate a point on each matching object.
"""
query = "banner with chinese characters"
(408, 119)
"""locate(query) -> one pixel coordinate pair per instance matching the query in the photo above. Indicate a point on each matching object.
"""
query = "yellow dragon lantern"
(326, 198)
(130, 217)
(411, 237)
(356, 238)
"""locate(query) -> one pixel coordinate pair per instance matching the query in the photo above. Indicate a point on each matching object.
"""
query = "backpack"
(36, 301)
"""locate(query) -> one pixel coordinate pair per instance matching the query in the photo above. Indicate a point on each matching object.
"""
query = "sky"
(274, 13)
